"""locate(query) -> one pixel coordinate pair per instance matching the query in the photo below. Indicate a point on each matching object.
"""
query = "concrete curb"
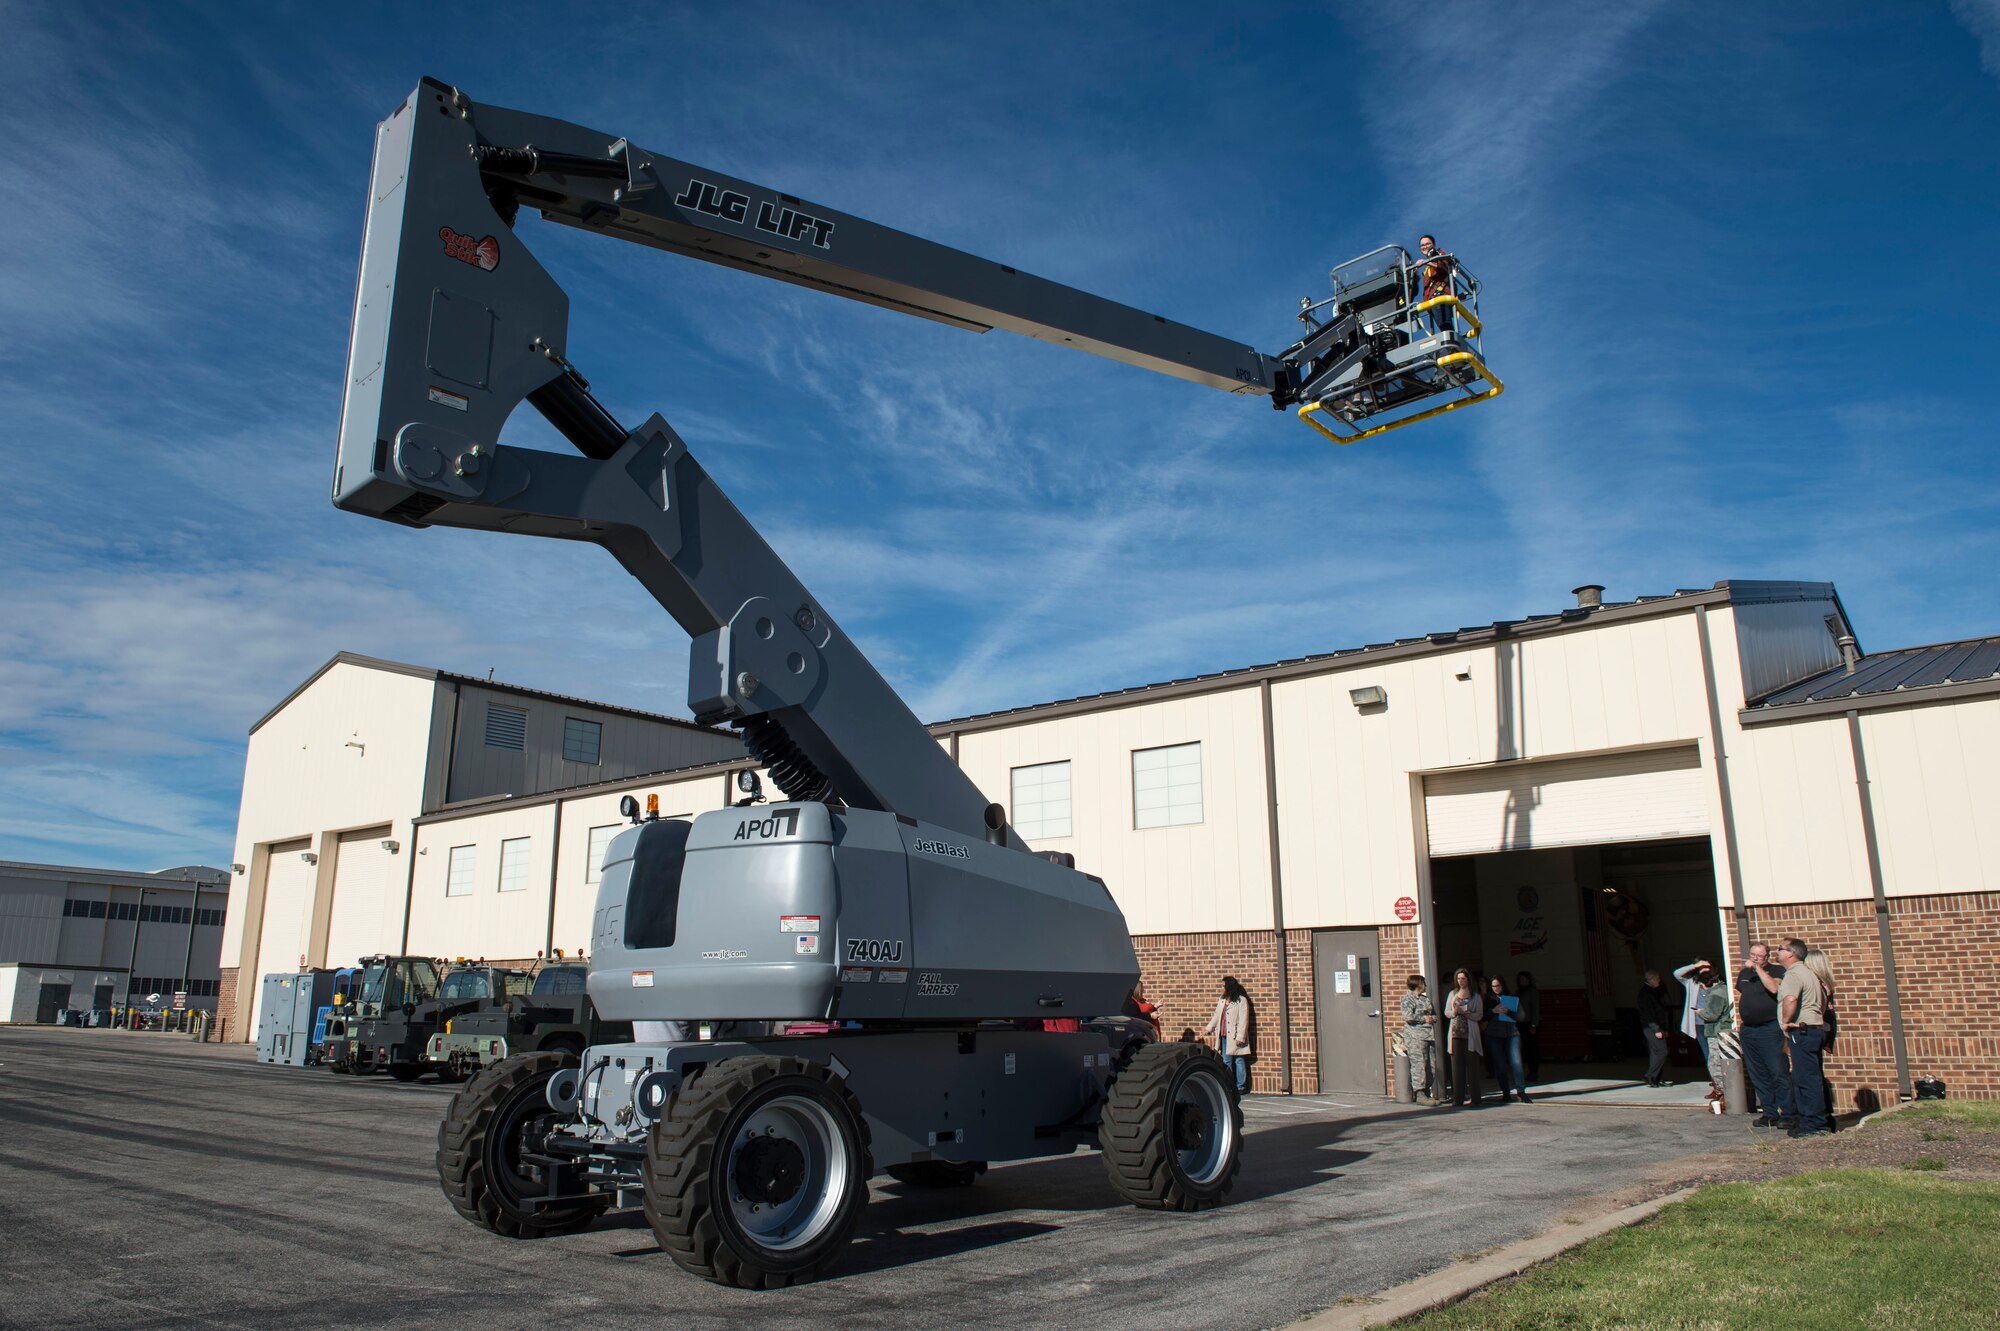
(1462, 1278)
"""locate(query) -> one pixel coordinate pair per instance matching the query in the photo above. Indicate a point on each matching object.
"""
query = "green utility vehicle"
(555, 1014)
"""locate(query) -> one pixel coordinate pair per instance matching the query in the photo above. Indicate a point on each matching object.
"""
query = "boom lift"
(884, 907)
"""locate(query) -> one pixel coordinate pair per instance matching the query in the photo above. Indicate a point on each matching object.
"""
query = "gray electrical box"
(291, 1002)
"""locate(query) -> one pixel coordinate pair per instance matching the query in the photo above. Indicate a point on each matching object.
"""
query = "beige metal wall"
(348, 753)
(1211, 875)
(1350, 778)
(1934, 778)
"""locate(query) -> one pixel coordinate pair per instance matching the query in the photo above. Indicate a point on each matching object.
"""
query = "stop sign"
(1406, 909)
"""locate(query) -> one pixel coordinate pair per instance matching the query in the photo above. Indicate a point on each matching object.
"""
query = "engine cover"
(798, 912)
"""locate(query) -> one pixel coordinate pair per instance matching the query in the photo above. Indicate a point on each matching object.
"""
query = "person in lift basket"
(1437, 271)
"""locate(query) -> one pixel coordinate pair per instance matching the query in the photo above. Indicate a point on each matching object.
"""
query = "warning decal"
(798, 924)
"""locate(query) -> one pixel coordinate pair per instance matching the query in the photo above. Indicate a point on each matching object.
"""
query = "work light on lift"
(751, 785)
(628, 809)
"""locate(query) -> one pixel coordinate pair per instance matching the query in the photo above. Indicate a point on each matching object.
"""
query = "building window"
(514, 864)
(581, 740)
(209, 916)
(506, 727)
(600, 841)
(1166, 786)
(97, 910)
(1040, 807)
(458, 874)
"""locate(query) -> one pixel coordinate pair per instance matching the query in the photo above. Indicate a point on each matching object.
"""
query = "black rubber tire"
(1135, 1132)
(937, 1173)
(564, 1044)
(687, 1194)
(406, 1071)
(468, 1153)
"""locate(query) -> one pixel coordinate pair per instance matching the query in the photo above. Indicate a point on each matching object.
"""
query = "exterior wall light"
(392, 846)
(236, 869)
(308, 857)
(1369, 695)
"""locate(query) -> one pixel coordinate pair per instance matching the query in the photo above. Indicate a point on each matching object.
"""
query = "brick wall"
(225, 1006)
(1947, 959)
(1399, 962)
(1183, 973)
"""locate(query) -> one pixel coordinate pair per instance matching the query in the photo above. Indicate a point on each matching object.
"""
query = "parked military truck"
(555, 1014)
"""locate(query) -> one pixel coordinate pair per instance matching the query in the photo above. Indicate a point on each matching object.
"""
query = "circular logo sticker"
(1529, 898)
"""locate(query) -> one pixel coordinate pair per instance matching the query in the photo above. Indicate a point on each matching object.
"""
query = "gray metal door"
(1347, 981)
(53, 999)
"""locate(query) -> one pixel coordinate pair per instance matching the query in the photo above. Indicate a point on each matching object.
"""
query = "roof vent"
(1850, 652)
(1589, 596)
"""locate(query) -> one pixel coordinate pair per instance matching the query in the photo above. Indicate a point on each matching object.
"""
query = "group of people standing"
(1479, 1018)
(1777, 1018)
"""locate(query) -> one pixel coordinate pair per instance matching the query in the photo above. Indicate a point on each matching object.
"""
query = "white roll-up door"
(367, 899)
(288, 900)
(1644, 796)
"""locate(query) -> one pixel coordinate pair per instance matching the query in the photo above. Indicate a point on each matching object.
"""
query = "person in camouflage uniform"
(1419, 1032)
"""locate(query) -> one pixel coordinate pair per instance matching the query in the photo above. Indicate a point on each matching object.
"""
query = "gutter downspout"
(1731, 859)
(1277, 895)
(409, 890)
(1863, 793)
(555, 857)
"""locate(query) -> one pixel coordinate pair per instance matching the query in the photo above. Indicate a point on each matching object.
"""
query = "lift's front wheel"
(756, 1172)
(494, 1123)
(1172, 1131)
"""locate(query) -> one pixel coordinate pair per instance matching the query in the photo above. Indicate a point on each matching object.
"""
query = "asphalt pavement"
(146, 1181)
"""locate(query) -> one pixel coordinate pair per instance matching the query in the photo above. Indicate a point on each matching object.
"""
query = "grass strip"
(1836, 1248)
(1965, 1115)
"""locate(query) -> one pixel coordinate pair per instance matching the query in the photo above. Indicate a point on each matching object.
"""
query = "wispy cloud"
(1982, 19)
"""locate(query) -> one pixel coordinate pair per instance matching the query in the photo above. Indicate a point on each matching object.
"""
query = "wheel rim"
(1202, 1125)
(524, 1122)
(787, 1172)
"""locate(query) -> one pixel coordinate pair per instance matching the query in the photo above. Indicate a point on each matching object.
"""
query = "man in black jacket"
(1763, 1040)
(1655, 1021)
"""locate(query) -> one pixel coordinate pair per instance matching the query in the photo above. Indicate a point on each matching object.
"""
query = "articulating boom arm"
(456, 323)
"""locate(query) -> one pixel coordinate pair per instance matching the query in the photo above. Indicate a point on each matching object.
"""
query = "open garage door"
(1650, 795)
(287, 930)
(367, 899)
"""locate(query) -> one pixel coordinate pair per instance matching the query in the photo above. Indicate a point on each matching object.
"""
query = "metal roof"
(1973, 661)
(1725, 591)
(498, 686)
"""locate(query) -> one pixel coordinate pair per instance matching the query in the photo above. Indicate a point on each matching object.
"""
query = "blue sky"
(1738, 279)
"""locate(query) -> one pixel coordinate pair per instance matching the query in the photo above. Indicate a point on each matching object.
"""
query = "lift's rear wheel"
(937, 1173)
(1172, 1132)
(498, 1116)
(756, 1172)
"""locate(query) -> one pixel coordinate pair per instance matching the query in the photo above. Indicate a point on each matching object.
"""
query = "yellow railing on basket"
(1458, 307)
(1309, 409)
